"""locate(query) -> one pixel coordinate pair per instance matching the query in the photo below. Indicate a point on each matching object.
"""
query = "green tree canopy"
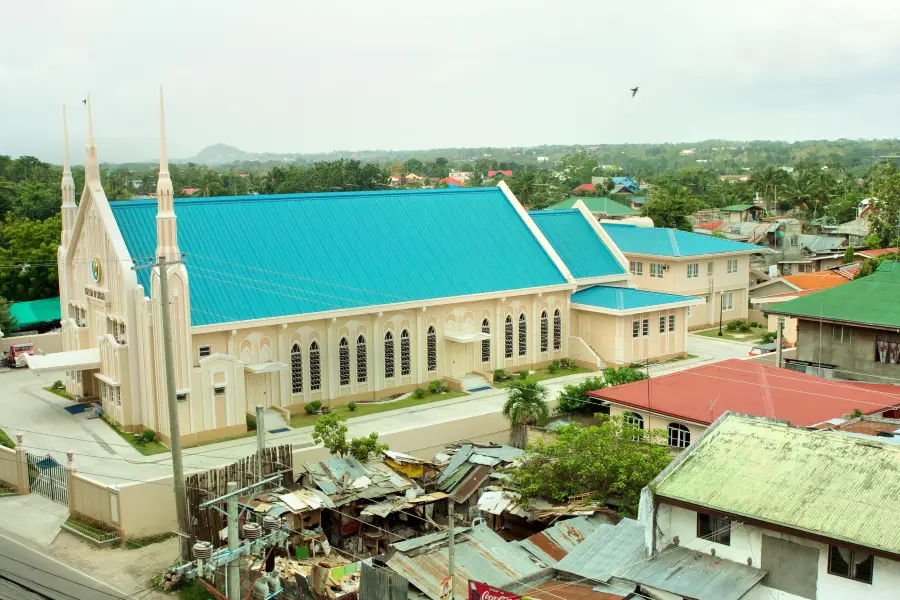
(331, 431)
(28, 253)
(526, 404)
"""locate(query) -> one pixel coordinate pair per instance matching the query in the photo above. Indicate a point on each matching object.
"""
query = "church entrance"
(462, 359)
(258, 390)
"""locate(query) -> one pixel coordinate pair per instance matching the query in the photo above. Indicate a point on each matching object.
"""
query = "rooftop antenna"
(712, 403)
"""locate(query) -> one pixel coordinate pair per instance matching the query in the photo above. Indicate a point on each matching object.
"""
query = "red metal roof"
(451, 181)
(555, 589)
(587, 187)
(702, 394)
(506, 172)
(711, 225)
(876, 252)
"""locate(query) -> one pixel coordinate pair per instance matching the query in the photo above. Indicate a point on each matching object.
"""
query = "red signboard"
(483, 591)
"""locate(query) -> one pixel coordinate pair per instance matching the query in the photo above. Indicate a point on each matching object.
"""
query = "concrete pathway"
(33, 518)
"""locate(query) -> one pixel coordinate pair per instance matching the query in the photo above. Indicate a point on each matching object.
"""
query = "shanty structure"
(468, 470)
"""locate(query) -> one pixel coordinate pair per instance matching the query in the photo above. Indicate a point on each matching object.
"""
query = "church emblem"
(96, 270)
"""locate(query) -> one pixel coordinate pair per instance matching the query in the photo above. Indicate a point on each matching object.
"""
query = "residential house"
(629, 184)
(589, 188)
(735, 178)
(463, 176)
(689, 264)
(782, 511)
(737, 213)
(685, 403)
(467, 471)
(852, 330)
(635, 202)
(874, 253)
(856, 231)
(500, 173)
(451, 182)
(601, 208)
(808, 253)
(543, 159)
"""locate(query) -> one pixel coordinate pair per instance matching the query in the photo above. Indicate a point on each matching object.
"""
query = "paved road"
(36, 571)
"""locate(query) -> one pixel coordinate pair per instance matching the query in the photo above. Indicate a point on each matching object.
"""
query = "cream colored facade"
(652, 420)
(707, 276)
(661, 334)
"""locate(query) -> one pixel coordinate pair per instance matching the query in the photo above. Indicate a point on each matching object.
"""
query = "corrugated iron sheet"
(456, 461)
(470, 484)
(381, 584)
(502, 451)
(606, 550)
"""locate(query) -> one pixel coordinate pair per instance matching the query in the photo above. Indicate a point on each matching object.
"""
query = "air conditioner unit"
(665, 267)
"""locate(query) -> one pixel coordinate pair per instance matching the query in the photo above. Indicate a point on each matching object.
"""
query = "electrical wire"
(93, 589)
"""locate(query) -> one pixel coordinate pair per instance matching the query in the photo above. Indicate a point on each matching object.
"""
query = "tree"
(848, 255)
(603, 461)
(367, 447)
(622, 375)
(870, 265)
(670, 207)
(574, 398)
(414, 165)
(885, 220)
(717, 234)
(28, 251)
(331, 431)
(526, 404)
(7, 321)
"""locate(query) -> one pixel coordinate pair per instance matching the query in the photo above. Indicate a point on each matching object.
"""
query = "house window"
(508, 337)
(181, 397)
(709, 269)
(795, 240)
(727, 301)
(344, 361)
(841, 334)
(656, 270)
(645, 327)
(545, 332)
(732, 265)
(714, 528)
(219, 390)
(671, 323)
(485, 344)
(296, 369)
(662, 324)
(679, 435)
(523, 335)
(405, 368)
(361, 367)
(636, 267)
(690, 312)
(887, 349)
(557, 330)
(852, 564)
(315, 368)
(635, 329)
(693, 270)
(431, 348)
(635, 421)
(203, 351)
(388, 355)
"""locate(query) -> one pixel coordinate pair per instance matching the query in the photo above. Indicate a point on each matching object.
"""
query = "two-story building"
(689, 264)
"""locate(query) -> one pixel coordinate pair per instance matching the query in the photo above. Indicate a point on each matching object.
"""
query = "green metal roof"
(827, 483)
(660, 241)
(871, 300)
(622, 298)
(737, 207)
(35, 312)
(253, 257)
(598, 205)
(577, 243)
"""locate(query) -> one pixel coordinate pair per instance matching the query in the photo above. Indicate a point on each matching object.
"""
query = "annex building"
(282, 300)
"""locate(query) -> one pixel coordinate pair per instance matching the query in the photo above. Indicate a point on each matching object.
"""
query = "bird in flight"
(84, 101)
(634, 91)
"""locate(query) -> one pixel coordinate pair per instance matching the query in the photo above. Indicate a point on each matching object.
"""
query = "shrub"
(555, 363)
(421, 392)
(58, 385)
(567, 363)
(147, 436)
(251, 423)
(523, 374)
(435, 387)
(754, 324)
(310, 409)
(573, 398)
(351, 406)
(553, 368)
(500, 375)
(732, 326)
(769, 337)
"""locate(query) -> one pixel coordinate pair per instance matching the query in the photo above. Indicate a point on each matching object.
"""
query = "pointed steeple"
(91, 163)
(166, 226)
(67, 186)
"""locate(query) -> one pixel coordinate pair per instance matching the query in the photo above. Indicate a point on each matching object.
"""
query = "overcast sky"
(303, 76)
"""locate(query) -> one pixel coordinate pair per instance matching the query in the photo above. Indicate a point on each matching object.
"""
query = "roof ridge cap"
(676, 251)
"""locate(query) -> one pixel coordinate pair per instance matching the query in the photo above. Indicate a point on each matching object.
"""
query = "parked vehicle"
(762, 349)
(16, 356)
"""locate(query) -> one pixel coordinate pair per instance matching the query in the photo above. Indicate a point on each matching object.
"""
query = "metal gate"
(48, 478)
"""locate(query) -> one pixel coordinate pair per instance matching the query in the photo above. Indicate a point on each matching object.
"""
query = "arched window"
(545, 333)
(485, 344)
(557, 330)
(315, 368)
(636, 421)
(296, 369)
(344, 360)
(508, 337)
(361, 367)
(405, 367)
(431, 348)
(523, 335)
(679, 435)
(388, 355)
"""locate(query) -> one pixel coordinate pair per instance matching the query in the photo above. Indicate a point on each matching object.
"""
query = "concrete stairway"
(473, 383)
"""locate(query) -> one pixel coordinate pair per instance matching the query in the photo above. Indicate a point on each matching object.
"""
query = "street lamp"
(721, 305)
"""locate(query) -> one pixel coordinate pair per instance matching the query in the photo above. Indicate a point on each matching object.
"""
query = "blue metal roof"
(622, 298)
(252, 257)
(576, 242)
(660, 241)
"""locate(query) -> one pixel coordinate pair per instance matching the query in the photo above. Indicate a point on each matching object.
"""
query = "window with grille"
(709, 268)
(662, 324)
(557, 330)
(405, 367)
(852, 564)
(296, 369)
(344, 361)
(671, 322)
(315, 368)
(635, 329)
(388, 355)
(485, 344)
(508, 337)
(637, 422)
(219, 390)
(361, 366)
(727, 301)
(545, 332)
(636, 267)
(523, 335)
(679, 435)
(714, 528)
(203, 351)
(693, 270)
(656, 270)
(431, 348)
(887, 347)
(732, 265)
(645, 327)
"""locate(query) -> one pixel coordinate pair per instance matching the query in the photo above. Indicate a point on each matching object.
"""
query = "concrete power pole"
(233, 570)
(260, 440)
(174, 428)
(778, 342)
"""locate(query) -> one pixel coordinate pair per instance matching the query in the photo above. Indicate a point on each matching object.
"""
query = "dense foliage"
(603, 461)
(526, 404)
(574, 398)
(331, 432)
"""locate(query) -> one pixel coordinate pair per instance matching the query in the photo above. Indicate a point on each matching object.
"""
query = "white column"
(284, 376)
(377, 353)
(330, 360)
(498, 351)
(420, 345)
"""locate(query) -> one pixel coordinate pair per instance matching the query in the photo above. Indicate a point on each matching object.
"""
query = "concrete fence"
(14, 467)
(93, 500)
(47, 343)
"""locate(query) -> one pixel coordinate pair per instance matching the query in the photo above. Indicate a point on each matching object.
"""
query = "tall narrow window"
(636, 421)
(405, 367)
(431, 348)
(296, 369)
(645, 327)
(671, 322)
(662, 324)
(523, 335)
(315, 368)
(557, 330)
(362, 372)
(485, 344)
(508, 337)
(545, 332)
(344, 361)
(388, 355)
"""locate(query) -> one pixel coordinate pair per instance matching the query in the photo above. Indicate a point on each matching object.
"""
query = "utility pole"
(451, 551)
(260, 441)
(233, 570)
(778, 342)
(721, 308)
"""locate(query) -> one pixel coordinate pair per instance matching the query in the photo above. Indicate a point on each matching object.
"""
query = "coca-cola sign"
(483, 591)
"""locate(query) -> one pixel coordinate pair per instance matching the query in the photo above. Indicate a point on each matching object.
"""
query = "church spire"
(92, 163)
(67, 186)
(166, 229)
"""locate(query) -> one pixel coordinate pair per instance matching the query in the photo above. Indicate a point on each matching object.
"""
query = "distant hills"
(222, 154)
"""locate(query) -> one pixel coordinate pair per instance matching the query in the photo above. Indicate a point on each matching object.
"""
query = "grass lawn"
(6, 441)
(754, 335)
(303, 419)
(148, 449)
(541, 375)
(250, 433)
(61, 392)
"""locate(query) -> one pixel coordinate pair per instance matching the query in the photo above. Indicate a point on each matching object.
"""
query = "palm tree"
(526, 404)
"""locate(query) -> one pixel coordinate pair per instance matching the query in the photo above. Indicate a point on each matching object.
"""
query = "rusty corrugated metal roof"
(469, 484)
